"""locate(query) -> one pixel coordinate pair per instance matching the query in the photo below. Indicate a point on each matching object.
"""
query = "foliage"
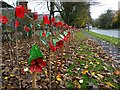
(116, 20)
(104, 20)
(74, 13)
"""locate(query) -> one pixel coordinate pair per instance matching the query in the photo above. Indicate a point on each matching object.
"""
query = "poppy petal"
(32, 68)
(38, 69)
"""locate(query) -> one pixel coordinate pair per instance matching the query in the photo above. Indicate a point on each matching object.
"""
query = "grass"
(90, 61)
(112, 40)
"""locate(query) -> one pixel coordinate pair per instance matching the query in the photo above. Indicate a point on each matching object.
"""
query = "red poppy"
(16, 23)
(35, 16)
(26, 28)
(59, 44)
(20, 11)
(44, 33)
(46, 20)
(59, 24)
(32, 27)
(53, 20)
(65, 38)
(68, 35)
(52, 47)
(3, 19)
(37, 65)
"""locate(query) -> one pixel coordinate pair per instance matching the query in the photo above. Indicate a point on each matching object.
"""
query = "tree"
(116, 20)
(105, 20)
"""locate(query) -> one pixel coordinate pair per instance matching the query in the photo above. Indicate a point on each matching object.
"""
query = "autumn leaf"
(12, 75)
(109, 84)
(77, 83)
(84, 71)
(117, 72)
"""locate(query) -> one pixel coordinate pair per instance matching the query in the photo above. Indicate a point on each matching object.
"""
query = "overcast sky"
(95, 10)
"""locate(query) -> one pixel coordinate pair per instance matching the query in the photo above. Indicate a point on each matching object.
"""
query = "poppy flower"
(3, 19)
(20, 11)
(68, 35)
(26, 28)
(35, 16)
(37, 65)
(52, 47)
(46, 20)
(44, 33)
(53, 19)
(16, 23)
(32, 27)
(59, 44)
(65, 38)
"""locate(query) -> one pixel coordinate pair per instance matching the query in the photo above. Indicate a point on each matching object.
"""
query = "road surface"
(110, 32)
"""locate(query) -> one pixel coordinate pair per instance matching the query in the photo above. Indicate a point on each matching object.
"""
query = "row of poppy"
(56, 43)
(35, 60)
(20, 13)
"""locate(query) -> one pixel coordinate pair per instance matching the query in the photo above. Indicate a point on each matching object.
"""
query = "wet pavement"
(110, 32)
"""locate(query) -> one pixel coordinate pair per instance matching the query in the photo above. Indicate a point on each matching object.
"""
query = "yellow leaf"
(101, 76)
(86, 66)
(46, 73)
(98, 62)
(77, 83)
(12, 75)
(93, 73)
(109, 84)
(6, 78)
(91, 62)
(84, 71)
(59, 79)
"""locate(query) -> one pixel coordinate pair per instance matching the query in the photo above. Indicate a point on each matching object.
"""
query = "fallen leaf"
(77, 84)
(86, 66)
(81, 81)
(97, 62)
(84, 71)
(109, 84)
(12, 75)
(26, 69)
(6, 78)
(101, 76)
(59, 79)
(93, 73)
(117, 72)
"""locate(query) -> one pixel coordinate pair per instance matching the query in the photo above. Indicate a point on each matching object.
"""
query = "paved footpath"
(111, 49)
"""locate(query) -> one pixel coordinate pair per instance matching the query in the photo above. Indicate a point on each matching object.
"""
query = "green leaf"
(44, 42)
(48, 34)
(65, 33)
(40, 33)
(35, 53)
(55, 41)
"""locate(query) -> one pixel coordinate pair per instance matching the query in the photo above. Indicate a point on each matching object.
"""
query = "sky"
(96, 10)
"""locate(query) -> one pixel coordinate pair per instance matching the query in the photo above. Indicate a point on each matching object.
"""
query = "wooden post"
(34, 74)
(61, 57)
